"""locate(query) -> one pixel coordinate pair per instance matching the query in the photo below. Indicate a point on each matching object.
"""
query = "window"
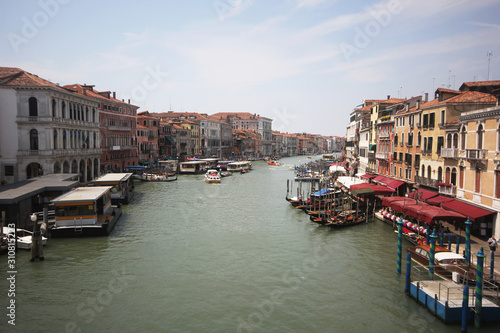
(426, 121)
(54, 113)
(55, 139)
(419, 139)
(440, 144)
(431, 120)
(480, 133)
(33, 139)
(497, 184)
(463, 137)
(429, 144)
(442, 118)
(33, 107)
(396, 139)
(477, 188)
(9, 170)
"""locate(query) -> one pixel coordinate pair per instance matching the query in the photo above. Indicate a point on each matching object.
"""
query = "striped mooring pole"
(465, 309)
(468, 223)
(408, 273)
(492, 265)
(400, 238)
(458, 245)
(479, 287)
(449, 241)
(433, 238)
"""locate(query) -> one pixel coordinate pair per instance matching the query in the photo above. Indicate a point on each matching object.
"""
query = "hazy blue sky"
(304, 63)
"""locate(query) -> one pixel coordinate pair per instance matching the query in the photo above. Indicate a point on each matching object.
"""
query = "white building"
(45, 128)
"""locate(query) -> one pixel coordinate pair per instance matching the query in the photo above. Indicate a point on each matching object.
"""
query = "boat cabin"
(192, 167)
(85, 211)
(239, 166)
(122, 185)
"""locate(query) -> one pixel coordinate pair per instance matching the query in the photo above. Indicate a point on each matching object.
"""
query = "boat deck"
(444, 299)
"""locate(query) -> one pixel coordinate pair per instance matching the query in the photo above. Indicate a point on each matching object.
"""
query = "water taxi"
(242, 166)
(274, 163)
(212, 176)
(122, 186)
(85, 211)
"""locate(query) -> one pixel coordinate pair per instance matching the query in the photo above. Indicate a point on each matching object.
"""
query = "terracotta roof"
(87, 91)
(462, 97)
(16, 77)
(482, 83)
(239, 115)
(448, 90)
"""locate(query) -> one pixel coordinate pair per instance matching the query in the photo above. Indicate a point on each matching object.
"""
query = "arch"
(455, 140)
(447, 175)
(33, 139)
(74, 167)
(55, 139)
(86, 113)
(449, 140)
(429, 172)
(82, 170)
(33, 170)
(65, 140)
(423, 170)
(419, 138)
(57, 167)
(453, 179)
(66, 168)
(33, 107)
(96, 167)
(480, 134)
(63, 110)
(463, 134)
(440, 174)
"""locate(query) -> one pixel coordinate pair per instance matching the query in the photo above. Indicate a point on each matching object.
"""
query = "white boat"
(23, 237)
(212, 176)
(242, 166)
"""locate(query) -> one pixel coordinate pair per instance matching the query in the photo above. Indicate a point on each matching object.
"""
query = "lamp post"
(36, 239)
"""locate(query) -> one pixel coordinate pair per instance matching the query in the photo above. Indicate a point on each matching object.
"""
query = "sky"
(303, 63)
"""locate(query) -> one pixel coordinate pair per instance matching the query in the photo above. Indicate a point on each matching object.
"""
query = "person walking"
(492, 242)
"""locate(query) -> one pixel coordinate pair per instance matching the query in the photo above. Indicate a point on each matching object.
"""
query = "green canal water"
(187, 256)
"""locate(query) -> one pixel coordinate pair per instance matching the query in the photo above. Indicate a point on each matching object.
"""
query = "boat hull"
(102, 229)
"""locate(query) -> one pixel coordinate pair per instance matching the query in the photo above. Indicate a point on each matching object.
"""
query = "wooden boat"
(212, 177)
(23, 237)
(85, 211)
(447, 264)
(122, 184)
(345, 219)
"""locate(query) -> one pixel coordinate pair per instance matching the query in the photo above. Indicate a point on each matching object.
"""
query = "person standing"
(492, 242)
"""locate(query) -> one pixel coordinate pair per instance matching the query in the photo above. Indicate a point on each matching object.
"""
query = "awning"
(169, 138)
(430, 213)
(388, 200)
(135, 167)
(345, 162)
(438, 200)
(146, 162)
(374, 189)
(473, 212)
(367, 176)
(423, 194)
(392, 183)
(378, 179)
(372, 147)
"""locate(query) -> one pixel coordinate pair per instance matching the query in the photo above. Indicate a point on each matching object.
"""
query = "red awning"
(378, 179)
(473, 212)
(430, 213)
(392, 183)
(377, 189)
(437, 201)
(344, 163)
(423, 194)
(388, 200)
(367, 176)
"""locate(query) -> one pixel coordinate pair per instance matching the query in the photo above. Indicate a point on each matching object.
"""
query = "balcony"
(60, 152)
(449, 152)
(382, 156)
(426, 181)
(448, 189)
(371, 169)
(371, 154)
(384, 135)
(119, 128)
(426, 152)
(476, 154)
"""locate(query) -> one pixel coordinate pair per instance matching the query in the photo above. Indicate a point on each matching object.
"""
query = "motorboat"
(23, 236)
(212, 176)
(274, 163)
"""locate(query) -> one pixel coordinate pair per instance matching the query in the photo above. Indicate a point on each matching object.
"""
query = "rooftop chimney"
(129, 101)
(114, 94)
(426, 97)
(388, 96)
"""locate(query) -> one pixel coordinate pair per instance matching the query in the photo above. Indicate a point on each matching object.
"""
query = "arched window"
(33, 107)
(423, 171)
(453, 179)
(480, 133)
(455, 140)
(419, 139)
(429, 172)
(33, 139)
(449, 140)
(54, 110)
(447, 175)
(396, 140)
(440, 174)
(93, 115)
(63, 110)
(463, 134)
(86, 113)
(55, 139)
(64, 140)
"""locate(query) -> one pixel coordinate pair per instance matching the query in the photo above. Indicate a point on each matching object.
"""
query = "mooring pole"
(449, 241)
(479, 287)
(427, 232)
(433, 238)
(408, 273)
(468, 223)
(400, 236)
(441, 238)
(458, 245)
(465, 309)
(492, 265)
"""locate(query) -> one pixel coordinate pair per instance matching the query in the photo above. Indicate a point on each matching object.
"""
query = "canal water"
(187, 256)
